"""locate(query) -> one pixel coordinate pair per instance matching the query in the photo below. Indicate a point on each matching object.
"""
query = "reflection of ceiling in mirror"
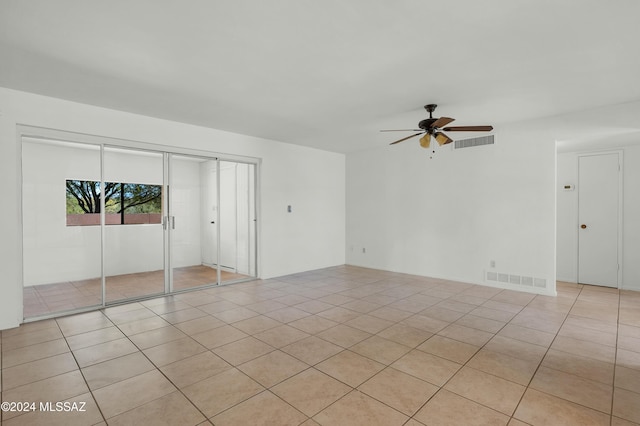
(61, 143)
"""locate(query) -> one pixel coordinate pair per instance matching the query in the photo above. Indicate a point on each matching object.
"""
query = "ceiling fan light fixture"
(442, 138)
(433, 126)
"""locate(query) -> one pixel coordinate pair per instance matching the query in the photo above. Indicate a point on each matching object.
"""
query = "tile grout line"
(129, 338)
(57, 327)
(207, 350)
(309, 367)
(539, 364)
(361, 285)
(556, 334)
(104, 419)
(545, 355)
(549, 348)
(415, 348)
(465, 364)
(615, 358)
(234, 367)
(154, 365)
(1, 375)
(352, 389)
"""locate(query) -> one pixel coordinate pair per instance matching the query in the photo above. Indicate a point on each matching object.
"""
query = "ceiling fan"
(434, 127)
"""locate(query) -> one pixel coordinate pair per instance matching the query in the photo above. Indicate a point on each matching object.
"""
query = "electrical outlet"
(492, 263)
(364, 250)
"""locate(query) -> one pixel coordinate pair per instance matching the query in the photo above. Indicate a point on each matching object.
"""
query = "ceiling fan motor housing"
(426, 123)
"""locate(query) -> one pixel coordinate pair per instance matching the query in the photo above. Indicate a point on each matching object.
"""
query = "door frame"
(620, 217)
(37, 132)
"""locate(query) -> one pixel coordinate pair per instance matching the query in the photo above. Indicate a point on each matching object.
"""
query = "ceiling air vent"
(467, 143)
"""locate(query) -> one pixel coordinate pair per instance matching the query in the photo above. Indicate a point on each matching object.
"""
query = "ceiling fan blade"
(442, 121)
(442, 138)
(403, 130)
(404, 139)
(469, 129)
(425, 141)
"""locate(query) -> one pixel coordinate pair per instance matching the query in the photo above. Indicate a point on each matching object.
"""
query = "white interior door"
(598, 216)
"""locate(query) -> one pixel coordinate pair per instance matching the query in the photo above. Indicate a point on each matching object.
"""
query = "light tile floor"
(46, 299)
(341, 346)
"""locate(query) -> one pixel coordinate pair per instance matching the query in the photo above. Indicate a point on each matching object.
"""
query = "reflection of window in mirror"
(124, 203)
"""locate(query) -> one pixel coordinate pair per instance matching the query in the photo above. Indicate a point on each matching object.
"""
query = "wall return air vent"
(468, 143)
(502, 277)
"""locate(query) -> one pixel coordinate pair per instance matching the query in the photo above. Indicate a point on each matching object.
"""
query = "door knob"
(583, 226)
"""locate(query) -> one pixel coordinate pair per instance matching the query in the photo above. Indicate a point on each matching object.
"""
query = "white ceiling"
(327, 74)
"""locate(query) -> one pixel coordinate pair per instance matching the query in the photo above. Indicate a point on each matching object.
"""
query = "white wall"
(450, 216)
(186, 204)
(246, 215)
(10, 218)
(228, 208)
(567, 219)
(52, 251)
(311, 180)
(567, 237)
(631, 224)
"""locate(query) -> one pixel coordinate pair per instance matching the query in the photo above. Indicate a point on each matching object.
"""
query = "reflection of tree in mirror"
(83, 197)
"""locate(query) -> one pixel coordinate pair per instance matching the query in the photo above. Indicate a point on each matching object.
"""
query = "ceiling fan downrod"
(430, 108)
